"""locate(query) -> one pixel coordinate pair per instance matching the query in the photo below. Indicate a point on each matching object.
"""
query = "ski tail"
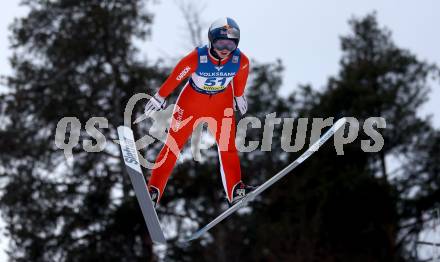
(131, 160)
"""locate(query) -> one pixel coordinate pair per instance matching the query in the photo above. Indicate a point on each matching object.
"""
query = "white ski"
(340, 123)
(131, 160)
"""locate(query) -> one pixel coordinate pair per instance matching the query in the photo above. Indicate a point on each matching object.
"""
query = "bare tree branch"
(194, 22)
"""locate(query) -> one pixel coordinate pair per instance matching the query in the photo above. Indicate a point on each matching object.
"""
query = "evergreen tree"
(72, 59)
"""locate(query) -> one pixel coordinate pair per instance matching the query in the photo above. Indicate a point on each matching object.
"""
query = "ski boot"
(154, 194)
(239, 192)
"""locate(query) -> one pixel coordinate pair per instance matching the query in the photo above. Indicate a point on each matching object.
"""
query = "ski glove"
(240, 103)
(156, 103)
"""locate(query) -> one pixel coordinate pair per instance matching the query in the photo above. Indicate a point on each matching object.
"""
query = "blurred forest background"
(77, 58)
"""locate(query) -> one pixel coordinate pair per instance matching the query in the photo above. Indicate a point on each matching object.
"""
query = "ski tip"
(124, 131)
(340, 122)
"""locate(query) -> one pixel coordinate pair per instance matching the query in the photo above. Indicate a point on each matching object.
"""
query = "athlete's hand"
(156, 103)
(241, 104)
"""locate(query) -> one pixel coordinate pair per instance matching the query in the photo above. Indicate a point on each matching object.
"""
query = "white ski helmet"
(224, 28)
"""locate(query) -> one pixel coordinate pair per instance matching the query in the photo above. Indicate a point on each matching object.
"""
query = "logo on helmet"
(226, 29)
(231, 31)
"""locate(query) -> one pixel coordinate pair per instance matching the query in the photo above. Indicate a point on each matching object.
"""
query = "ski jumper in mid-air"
(217, 79)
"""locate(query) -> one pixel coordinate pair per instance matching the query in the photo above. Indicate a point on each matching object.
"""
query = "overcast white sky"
(304, 34)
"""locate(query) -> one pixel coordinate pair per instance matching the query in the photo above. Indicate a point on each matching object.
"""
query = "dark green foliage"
(76, 59)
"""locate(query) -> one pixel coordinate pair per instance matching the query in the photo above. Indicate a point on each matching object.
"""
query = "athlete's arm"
(183, 69)
(239, 81)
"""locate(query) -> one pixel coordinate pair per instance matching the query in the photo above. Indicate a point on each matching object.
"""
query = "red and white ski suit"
(214, 107)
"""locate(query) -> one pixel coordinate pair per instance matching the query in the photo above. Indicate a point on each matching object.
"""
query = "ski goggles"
(224, 44)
